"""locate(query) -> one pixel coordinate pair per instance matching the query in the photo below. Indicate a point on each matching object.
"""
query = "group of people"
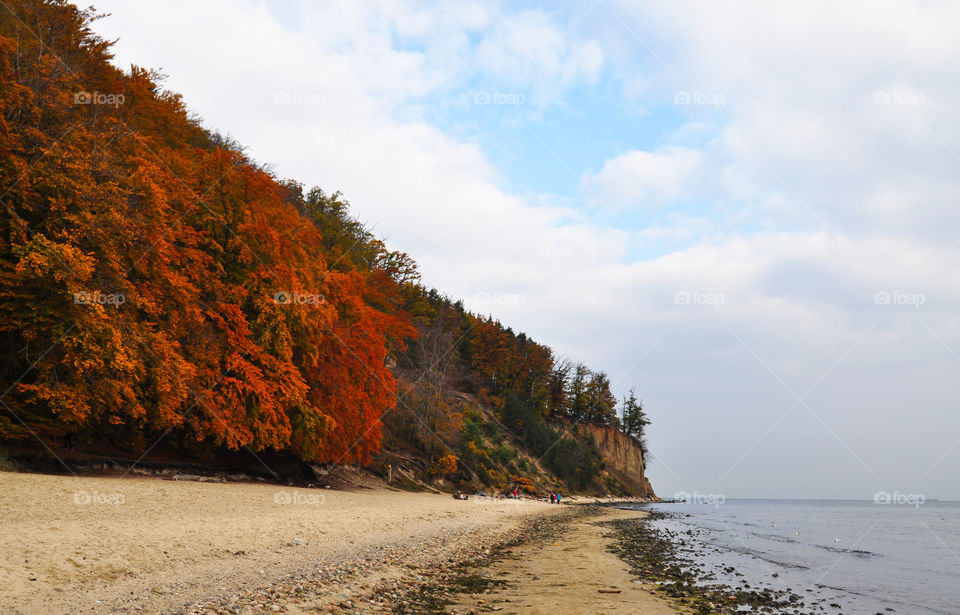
(554, 498)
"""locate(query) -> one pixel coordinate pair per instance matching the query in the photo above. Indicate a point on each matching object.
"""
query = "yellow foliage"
(445, 465)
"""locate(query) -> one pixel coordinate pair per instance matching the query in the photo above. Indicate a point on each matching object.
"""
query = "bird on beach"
(796, 531)
(836, 540)
(773, 524)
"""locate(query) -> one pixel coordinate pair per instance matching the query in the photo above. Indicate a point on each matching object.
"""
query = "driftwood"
(199, 479)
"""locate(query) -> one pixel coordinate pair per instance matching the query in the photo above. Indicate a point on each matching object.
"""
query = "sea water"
(867, 557)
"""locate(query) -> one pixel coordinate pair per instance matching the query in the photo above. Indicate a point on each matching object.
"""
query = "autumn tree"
(158, 284)
(427, 415)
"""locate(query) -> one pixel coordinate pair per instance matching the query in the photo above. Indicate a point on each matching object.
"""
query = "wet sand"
(571, 573)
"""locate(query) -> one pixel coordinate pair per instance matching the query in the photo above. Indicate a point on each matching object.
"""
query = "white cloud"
(851, 193)
(528, 50)
(801, 84)
(432, 195)
(645, 179)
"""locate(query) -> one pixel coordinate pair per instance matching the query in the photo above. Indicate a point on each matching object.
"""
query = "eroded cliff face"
(622, 459)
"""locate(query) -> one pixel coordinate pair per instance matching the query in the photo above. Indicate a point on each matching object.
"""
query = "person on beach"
(553, 498)
(558, 498)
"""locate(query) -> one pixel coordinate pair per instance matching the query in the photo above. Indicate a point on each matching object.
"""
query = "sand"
(101, 544)
(574, 573)
(146, 545)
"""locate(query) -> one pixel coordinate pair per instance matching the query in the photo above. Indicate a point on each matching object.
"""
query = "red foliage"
(141, 259)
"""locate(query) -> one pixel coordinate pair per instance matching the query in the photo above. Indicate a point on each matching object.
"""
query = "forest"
(158, 285)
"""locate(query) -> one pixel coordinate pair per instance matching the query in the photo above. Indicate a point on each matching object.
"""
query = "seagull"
(796, 531)
(836, 540)
(773, 524)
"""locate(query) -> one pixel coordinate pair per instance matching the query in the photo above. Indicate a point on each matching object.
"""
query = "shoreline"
(673, 562)
(135, 544)
(559, 565)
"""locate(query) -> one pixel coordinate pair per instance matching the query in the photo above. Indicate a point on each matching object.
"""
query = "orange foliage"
(446, 465)
(524, 485)
(141, 261)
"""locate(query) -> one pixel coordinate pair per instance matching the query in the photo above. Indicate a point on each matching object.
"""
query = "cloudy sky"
(746, 210)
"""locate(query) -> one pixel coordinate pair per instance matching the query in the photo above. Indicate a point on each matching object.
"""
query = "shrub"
(445, 465)
(504, 454)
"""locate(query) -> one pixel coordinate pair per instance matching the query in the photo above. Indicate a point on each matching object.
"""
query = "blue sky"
(746, 210)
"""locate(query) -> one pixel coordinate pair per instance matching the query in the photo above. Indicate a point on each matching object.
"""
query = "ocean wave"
(856, 552)
(774, 537)
(766, 557)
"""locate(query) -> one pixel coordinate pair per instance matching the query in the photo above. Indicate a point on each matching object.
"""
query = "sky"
(746, 210)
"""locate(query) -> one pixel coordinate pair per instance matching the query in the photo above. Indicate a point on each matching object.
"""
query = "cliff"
(622, 459)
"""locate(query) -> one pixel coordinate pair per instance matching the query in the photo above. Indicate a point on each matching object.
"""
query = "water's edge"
(776, 557)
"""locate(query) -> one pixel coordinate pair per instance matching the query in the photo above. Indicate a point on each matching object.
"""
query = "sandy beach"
(148, 545)
(108, 545)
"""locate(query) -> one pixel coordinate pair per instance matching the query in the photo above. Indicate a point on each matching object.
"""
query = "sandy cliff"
(622, 458)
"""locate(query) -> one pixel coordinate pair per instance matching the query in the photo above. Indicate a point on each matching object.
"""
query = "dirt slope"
(622, 458)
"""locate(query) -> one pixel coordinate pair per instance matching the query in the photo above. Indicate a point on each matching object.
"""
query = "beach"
(103, 544)
(572, 570)
(106, 545)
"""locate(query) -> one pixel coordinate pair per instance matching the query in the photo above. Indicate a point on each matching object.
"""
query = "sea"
(894, 555)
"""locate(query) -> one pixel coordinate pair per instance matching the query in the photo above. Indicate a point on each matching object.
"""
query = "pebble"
(345, 585)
